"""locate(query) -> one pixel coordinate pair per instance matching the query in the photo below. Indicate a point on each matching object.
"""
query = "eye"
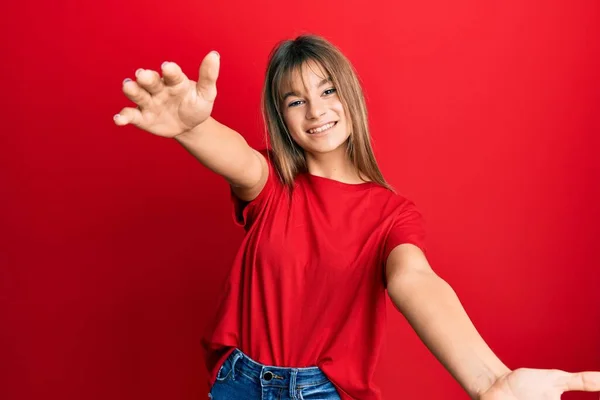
(329, 91)
(295, 103)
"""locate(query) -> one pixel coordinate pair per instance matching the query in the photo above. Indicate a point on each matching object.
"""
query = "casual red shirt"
(307, 286)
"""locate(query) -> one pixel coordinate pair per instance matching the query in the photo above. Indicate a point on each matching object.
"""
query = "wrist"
(487, 381)
(196, 130)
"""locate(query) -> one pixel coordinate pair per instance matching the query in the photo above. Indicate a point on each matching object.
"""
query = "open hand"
(541, 384)
(173, 104)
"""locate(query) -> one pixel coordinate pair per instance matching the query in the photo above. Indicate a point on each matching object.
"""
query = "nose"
(315, 109)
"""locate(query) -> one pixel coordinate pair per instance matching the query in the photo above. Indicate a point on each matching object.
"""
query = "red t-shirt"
(307, 286)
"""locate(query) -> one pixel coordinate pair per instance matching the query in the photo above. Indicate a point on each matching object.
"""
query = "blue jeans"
(241, 378)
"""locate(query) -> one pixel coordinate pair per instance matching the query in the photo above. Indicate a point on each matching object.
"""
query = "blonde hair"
(289, 56)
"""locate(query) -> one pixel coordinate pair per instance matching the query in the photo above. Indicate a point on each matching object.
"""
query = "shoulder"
(391, 201)
(271, 159)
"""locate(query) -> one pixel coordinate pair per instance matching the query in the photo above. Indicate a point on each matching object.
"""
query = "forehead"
(304, 77)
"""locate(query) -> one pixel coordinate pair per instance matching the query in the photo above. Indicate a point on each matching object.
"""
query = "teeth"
(322, 128)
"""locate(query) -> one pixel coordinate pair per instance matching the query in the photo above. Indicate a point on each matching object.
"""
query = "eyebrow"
(292, 93)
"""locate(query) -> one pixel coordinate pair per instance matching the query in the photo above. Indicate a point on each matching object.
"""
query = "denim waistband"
(267, 375)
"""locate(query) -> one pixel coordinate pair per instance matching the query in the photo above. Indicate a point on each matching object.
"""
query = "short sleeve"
(408, 226)
(246, 212)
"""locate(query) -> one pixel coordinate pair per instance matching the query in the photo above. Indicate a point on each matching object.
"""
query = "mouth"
(322, 128)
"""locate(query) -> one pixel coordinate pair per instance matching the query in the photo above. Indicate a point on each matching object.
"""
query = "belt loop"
(235, 359)
(293, 383)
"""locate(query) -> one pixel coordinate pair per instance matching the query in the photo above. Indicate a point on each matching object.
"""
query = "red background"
(115, 242)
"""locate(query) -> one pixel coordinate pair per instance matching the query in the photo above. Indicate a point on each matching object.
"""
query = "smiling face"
(307, 71)
(312, 110)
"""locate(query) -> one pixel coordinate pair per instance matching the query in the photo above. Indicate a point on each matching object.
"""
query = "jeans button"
(268, 376)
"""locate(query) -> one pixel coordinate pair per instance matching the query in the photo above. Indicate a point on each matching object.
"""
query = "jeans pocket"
(324, 391)
(224, 371)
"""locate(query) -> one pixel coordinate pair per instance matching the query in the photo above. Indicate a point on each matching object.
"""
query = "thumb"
(209, 72)
(588, 381)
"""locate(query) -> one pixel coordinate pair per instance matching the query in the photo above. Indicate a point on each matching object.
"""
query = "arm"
(174, 106)
(434, 311)
(225, 152)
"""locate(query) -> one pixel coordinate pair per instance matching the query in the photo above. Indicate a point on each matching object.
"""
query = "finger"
(135, 93)
(582, 381)
(209, 72)
(129, 115)
(149, 80)
(173, 76)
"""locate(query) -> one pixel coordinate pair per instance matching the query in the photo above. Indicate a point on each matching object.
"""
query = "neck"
(335, 165)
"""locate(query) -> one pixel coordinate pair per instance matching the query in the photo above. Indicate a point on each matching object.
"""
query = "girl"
(302, 315)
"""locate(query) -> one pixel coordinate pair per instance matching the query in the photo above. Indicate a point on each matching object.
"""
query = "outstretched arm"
(173, 106)
(434, 311)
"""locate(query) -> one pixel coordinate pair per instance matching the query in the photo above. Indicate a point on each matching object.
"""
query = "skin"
(312, 101)
(173, 106)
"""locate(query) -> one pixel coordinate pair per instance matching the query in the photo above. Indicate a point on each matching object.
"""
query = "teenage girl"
(302, 315)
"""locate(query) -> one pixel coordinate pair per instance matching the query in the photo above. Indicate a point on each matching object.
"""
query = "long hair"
(289, 56)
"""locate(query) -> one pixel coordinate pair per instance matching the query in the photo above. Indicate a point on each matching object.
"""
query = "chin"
(326, 147)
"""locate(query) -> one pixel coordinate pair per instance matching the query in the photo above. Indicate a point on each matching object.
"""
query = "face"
(313, 112)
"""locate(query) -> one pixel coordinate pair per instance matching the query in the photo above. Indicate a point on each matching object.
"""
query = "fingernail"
(163, 64)
(116, 116)
(126, 80)
(217, 53)
(139, 70)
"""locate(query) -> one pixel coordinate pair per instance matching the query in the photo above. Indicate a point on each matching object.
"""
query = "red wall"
(114, 243)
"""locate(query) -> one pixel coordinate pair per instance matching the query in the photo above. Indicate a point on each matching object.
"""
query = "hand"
(173, 104)
(540, 384)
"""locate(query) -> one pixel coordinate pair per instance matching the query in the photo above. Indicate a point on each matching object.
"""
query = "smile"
(322, 128)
